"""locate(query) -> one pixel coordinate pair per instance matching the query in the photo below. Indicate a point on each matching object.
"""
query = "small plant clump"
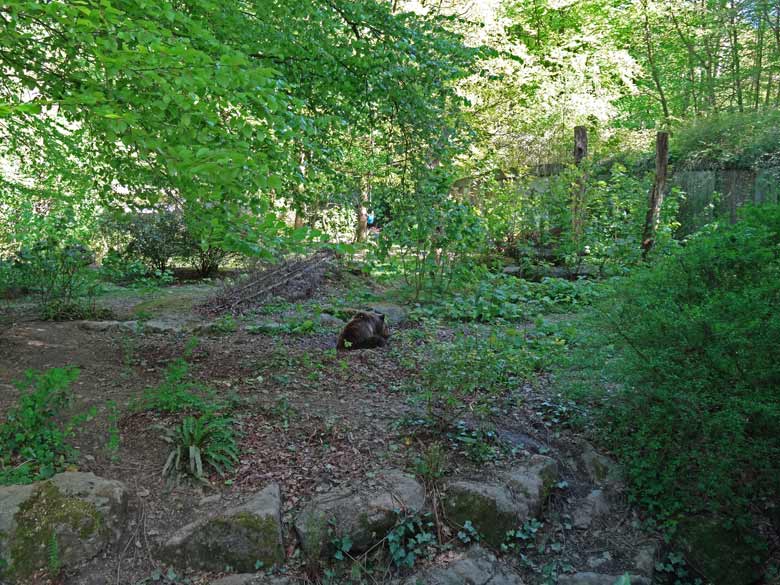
(34, 440)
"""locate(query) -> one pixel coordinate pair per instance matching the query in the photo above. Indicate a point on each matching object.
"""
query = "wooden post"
(580, 144)
(657, 192)
(579, 192)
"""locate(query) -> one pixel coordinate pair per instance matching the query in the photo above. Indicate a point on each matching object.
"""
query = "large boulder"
(478, 567)
(363, 512)
(496, 507)
(238, 539)
(73, 516)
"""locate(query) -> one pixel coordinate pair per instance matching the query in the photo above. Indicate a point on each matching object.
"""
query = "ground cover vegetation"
(196, 196)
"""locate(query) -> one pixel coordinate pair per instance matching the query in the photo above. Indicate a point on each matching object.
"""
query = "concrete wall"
(718, 194)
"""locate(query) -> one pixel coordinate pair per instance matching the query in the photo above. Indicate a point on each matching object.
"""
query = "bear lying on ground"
(364, 331)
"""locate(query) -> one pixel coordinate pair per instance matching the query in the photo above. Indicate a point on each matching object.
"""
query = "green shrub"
(58, 274)
(34, 437)
(692, 345)
(729, 140)
(116, 267)
(200, 443)
(154, 238)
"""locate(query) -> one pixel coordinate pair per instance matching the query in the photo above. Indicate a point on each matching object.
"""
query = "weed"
(33, 444)
(413, 537)
(284, 411)
(53, 560)
(225, 324)
(176, 393)
(477, 369)
(112, 446)
(477, 444)
(432, 464)
(468, 534)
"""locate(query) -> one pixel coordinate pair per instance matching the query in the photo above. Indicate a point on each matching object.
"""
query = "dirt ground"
(309, 419)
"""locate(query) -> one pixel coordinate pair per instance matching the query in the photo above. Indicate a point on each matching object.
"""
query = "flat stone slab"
(477, 567)
(598, 579)
(254, 579)
(237, 539)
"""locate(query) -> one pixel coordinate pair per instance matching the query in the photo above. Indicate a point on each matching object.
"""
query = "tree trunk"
(580, 144)
(654, 72)
(657, 192)
(298, 219)
(361, 233)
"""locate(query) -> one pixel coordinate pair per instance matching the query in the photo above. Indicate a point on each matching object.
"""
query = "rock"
(103, 326)
(596, 562)
(364, 512)
(78, 513)
(478, 567)
(394, 314)
(253, 579)
(594, 506)
(491, 509)
(495, 508)
(644, 560)
(598, 579)
(208, 500)
(235, 539)
(534, 481)
(600, 469)
(327, 320)
(513, 270)
(722, 555)
(160, 326)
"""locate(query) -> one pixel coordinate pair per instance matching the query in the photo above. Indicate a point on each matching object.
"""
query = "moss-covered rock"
(364, 512)
(489, 507)
(600, 469)
(58, 523)
(237, 539)
(505, 503)
(723, 555)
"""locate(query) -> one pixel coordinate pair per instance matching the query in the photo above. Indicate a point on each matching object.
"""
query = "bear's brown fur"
(364, 331)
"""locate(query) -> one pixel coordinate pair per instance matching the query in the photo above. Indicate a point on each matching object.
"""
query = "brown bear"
(364, 331)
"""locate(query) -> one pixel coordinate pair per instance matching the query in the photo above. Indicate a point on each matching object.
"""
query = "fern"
(198, 444)
(54, 555)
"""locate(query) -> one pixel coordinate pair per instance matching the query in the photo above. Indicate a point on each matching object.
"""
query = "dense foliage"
(691, 343)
